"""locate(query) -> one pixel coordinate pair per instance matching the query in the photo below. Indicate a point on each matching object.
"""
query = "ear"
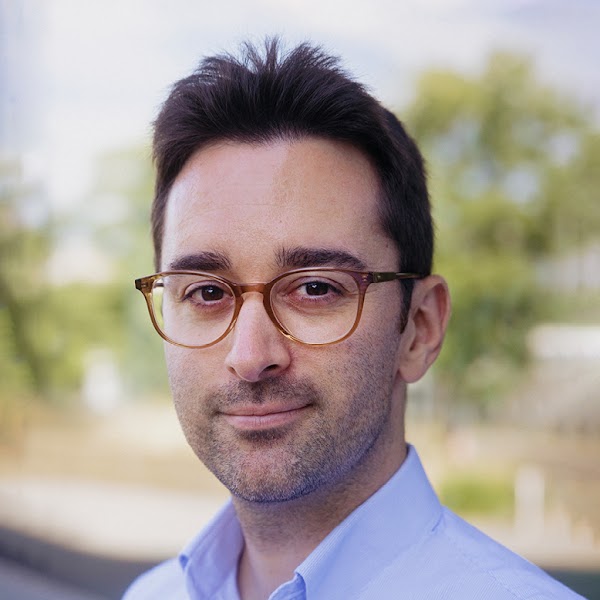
(424, 333)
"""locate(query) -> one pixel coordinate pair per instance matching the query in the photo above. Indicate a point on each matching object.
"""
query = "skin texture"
(300, 435)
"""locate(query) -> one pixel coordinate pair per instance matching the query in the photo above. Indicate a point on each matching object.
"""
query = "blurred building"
(575, 271)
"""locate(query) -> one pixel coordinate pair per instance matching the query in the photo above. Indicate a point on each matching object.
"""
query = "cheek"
(372, 354)
(190, 365)
(178, 363)
(187, 380)
(367, 359)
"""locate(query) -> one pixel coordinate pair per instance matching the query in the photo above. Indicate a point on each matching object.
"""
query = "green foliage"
(48, 328)
(23, 293)
(514, 173)
(568, 205)
(478, 494)
(514, 178)
(124, 179)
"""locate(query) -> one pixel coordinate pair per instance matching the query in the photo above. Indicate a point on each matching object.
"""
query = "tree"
(123, 188)
(513, 174)
(49, 324)
(23, 294)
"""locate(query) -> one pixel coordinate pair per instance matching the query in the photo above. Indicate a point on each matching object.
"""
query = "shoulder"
(166, 580)
(482, 567)
(456, 561)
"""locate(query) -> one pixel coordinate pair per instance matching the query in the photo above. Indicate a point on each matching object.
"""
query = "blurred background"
(503, 96)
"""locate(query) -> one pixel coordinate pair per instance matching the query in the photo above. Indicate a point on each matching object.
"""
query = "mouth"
(251, 418)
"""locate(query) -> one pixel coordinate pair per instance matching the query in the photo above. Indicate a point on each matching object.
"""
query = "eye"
(205, 293)
(313, 290)
(318, 288)
(208, 293)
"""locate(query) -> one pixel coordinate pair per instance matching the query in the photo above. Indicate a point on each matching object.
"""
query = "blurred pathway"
(20, 583)
(67, 513)
(117, 520)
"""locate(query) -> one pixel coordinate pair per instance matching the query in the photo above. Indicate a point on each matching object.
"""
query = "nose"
(258, 350)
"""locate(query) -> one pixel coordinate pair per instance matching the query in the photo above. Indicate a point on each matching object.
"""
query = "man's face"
(272, 418)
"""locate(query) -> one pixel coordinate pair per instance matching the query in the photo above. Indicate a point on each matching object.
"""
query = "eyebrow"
(303, 257)
(200, 261)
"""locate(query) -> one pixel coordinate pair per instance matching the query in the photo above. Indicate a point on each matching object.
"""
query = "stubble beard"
(286, 463)
(277, 464)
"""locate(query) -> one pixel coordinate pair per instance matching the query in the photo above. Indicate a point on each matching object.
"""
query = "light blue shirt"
(400, 544)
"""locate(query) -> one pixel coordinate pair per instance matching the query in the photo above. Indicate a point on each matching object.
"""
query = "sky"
(78, 79)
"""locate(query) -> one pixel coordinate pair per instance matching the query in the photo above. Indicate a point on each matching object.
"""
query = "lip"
(263, 417)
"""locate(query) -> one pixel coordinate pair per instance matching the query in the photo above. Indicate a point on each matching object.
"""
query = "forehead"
(249, 201)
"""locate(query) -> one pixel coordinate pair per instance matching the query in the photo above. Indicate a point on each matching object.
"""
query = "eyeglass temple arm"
(379, 277)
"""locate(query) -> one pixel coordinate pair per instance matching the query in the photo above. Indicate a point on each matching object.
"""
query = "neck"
(279, 536)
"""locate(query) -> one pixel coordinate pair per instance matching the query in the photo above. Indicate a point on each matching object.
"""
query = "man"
(293, 243)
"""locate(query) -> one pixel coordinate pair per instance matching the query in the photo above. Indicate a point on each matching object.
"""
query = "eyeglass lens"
(315, 307)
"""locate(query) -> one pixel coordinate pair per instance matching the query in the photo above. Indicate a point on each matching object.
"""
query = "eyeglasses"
(311, 306)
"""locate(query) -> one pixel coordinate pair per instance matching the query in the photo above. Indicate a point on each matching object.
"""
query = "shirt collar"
(391, 521)
(212, 556)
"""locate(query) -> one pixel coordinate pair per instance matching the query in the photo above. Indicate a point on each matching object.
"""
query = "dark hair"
(264, 97)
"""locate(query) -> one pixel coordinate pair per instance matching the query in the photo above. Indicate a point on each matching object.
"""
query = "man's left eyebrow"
(304, 257)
